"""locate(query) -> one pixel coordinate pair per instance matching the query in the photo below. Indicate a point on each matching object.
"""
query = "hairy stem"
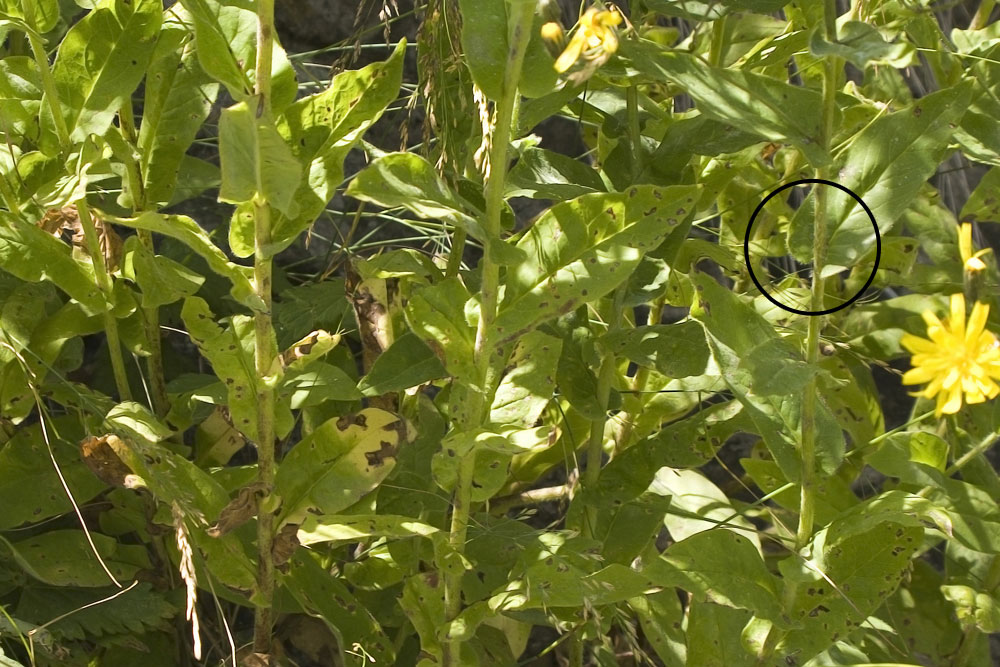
(106, 286)
(150, 316)
(807, 500)
(263, 353)
(486, 352)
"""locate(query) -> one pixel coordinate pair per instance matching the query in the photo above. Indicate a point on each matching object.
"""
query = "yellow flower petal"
(965, 241)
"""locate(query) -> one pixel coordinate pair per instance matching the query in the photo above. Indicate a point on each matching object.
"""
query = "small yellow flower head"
(594, 42)
(970, 261)
(959, 359)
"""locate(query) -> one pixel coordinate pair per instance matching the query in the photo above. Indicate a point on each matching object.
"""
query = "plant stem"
(807, 502)
(982, 14)
(457, 250)
(48, 81)
(102, 276)
(263, 353)
(718, 41)
(486, 353)
(150, 316)
(634, 131)
(605, 380)
(105, 284)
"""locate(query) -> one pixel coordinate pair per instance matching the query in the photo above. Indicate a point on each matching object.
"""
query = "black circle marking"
(878, 247)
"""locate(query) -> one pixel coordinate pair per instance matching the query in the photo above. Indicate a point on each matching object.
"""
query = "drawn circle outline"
(878, 247)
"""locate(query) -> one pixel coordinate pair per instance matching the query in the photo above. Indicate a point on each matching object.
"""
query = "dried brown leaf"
(100, 456)
(285, 544)
(240, 509)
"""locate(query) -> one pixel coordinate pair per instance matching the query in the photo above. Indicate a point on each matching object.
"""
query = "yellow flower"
(958, 359)
(594, 41)
(970, 261)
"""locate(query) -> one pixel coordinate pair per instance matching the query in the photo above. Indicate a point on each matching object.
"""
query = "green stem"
(9, 198)
(595, 446)
(105, 284)
(102, 276)
(150, 316)
(263, 353)
(807, 501)
(457, 250)
(486, 352)
(48, 81)
(718, 41)
(635, 133)
(982, 14)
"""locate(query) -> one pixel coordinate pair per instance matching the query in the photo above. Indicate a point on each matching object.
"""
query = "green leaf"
(65, 558)
(45, 14)
(20, 95)
(580, 250)
(338, 463)
(734, 329)
(348, 619)
(484, 43)
(528, 387)
(983, 205)
(136, 421)
(887, 164)
(436, 313)
(660, 616)
(711, 636)
(178, 99)
(190, 233)
(626, 530)
(230, 351)
(318, 383)
(256, 162)
(226, 36)
(357, 527)
(410, 181)
(861, 571)
(543, 174)
(773, 109)
(862, 44)
(698, 505)
(30, 487)
(720, 566)
(101, 60)
(675, 350)
(137, 611)
(407, 363)
(564, 574)
(322, 129)
(31, 254)
(161, 279)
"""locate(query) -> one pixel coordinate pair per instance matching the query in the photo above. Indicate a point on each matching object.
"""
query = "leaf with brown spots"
(337, 464)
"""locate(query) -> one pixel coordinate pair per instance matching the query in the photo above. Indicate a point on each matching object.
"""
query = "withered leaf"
(102, 459)
(67, 219)
(240, 509)
(285, 544)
